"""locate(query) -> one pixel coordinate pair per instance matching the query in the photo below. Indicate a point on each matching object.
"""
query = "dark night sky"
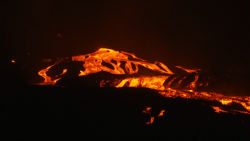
(193, 34)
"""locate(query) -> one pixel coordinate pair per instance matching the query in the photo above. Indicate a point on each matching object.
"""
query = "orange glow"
(59, 35)
(188, 70)
(47, 79)
(93, 63)
(13, 61)
(81, 73)
(181, 80)
(226, 101)
(218, 110)
(147, 110)
(161, 113)
(243, 112)
(155, 82)
(151, 120)
(46, 60)
(64, 71)
(192, 85)
(170, 82)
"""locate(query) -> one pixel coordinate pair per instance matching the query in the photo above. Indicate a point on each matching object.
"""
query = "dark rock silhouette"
(51, 112)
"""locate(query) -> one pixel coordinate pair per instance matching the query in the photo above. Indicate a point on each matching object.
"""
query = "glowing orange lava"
(151, 120)
(93, 64)
(147, 110)
(188, 70)
(226, 101)
(218, 110)
(161, 113)
(47, 79)
(64, 71)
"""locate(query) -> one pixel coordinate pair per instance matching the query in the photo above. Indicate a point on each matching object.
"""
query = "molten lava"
(161, 113)
(93, 63)
(151, 120)
(147, 110)
(218, 110)
(188, 70)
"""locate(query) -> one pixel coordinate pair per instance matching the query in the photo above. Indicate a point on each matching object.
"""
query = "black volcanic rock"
(50, 112)
(226, 83)
(91, 80)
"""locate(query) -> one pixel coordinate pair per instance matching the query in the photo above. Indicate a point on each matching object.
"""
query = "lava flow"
(168, 84)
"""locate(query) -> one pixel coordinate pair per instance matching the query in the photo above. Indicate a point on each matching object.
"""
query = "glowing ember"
(59, 35)
(146, 82)
(64, 71)
(218, 110)
(226, 101)
(151, 120)
(188, 70)
(13, 61)
(93, 63)
(161, 113)
(147, 110)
